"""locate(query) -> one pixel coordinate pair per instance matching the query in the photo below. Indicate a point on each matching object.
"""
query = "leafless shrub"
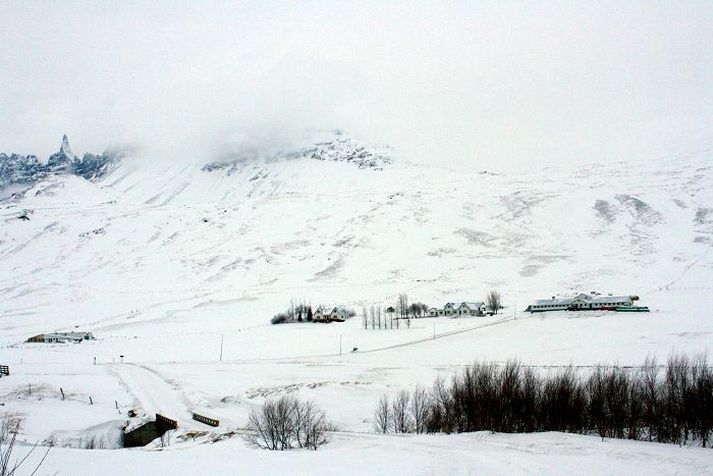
(673, 404)
(287, 423)
(9, 428)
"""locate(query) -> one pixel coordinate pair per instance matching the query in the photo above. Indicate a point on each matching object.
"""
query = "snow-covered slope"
(329, 231)
(163, 261)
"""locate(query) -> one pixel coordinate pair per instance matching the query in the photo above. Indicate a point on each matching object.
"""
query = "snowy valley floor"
(476, 453)
(164, 265)
(172, 366)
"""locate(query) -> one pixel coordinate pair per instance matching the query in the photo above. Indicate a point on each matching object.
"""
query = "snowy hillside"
(164, 260)
(331, 232)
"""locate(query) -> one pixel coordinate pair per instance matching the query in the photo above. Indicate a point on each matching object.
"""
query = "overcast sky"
(481, 84)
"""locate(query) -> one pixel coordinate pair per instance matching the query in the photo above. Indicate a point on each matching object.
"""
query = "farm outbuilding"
(61, 337)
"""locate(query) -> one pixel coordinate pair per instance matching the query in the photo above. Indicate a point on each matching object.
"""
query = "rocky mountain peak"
(65, 148)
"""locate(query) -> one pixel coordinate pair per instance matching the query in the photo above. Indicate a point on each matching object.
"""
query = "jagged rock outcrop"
(61, 159)
(26, 170)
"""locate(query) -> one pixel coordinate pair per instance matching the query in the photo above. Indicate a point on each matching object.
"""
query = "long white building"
(581, 302)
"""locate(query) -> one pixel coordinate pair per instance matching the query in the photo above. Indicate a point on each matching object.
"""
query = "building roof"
(327, 310)
(594, 299)
(473, 305)
(608, 299)
(554, 301)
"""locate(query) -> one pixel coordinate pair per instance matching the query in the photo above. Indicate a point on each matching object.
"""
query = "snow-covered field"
(162, 262)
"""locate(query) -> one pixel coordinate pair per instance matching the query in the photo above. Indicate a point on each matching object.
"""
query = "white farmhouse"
(459, 309)
(471, 308)
(330, 314)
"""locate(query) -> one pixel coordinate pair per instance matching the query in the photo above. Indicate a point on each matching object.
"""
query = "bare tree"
(493, 301)
(419, 408)
(382, 415)
(399, 412)
(286, 423)
(418, 309)
(310, 425)
(403, 305)
(372, 315)
(272, 427)
(315, 426)
(365, 317)
(378, 316)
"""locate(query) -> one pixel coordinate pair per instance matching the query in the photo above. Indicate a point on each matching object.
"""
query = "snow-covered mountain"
(21, 171)
(355, 225)
(177, 267)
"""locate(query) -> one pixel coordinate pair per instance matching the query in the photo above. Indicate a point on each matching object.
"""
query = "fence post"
(62, 392)
(91, 402)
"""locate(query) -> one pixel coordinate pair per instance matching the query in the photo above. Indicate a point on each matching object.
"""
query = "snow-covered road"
(154, 394)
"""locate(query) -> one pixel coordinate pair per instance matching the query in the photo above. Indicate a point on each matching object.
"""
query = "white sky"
(481, 84)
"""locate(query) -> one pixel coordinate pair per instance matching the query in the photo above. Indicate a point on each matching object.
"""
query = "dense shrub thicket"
(671, 403)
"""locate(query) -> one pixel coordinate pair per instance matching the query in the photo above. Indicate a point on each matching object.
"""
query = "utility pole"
(221, 347)
(340, 344)
(434, 330)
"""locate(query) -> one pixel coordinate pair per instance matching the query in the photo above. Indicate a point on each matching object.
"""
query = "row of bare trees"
(391, 317)
(287, 423)
(298, 311)
(377, 317)
(672, 403)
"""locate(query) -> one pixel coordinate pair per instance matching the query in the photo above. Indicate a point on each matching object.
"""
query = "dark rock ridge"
(16, 169)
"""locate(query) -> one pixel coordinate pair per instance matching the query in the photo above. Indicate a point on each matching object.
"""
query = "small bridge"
(206, 420)
(149, 431)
